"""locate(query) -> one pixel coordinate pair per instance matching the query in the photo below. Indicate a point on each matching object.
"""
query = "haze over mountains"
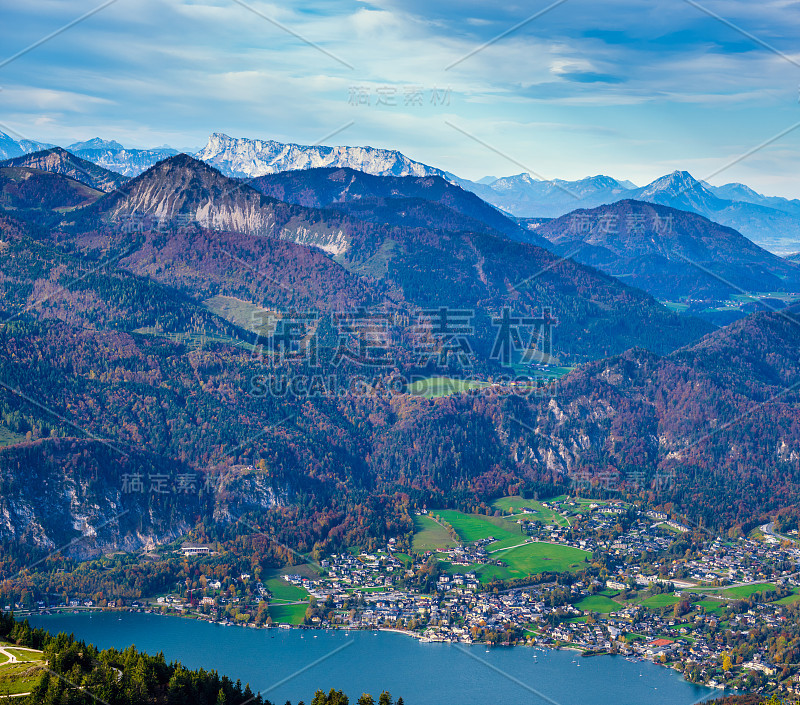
(771, 222)
(648, 246)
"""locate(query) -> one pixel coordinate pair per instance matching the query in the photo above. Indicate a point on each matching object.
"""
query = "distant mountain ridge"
(671, 253)
(59, 161)
(247, 157)
(10, 148)
(113, 156)
(771, 222)
(525, 196)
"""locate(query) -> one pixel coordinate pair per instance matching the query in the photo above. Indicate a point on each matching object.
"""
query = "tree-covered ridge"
(56, 160)
(429, 201)
(77, 673)
(385, 264)
(337, 469)
(671, 253)
(107, 349)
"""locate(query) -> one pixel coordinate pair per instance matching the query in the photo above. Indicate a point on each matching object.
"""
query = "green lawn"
(430, 536)
(283, 591)
(288, 614)
(25, 654)
(533, 558)
(21, 677)
(748, 590)
(442, 386)
(541, 513)
(788, 600)
(597, 603)
(656, 602)
(403, 558)
(473, 527)
(712, 606)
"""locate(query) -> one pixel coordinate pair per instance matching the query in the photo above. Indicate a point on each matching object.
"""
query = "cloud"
(586, 88)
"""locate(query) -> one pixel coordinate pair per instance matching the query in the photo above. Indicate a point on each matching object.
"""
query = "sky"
(563, 89)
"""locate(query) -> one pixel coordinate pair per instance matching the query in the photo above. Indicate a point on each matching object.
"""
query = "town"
(596, 576)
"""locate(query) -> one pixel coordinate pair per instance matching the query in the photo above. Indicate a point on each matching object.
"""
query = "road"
(12, 658)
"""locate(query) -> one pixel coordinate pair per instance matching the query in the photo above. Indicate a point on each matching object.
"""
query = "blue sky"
(629, 89)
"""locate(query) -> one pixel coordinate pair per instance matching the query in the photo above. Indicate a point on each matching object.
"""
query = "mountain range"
(400, 265)
(648, 246)
(673, 254)
(9, 147)
(771, 222)
(129, 346)
(249, 158)
(113, 156)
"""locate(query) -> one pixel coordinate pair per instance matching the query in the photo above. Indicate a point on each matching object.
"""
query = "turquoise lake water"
(291, 664)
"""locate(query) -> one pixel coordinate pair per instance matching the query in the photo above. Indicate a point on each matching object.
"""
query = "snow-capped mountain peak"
(251, 157)
(673, 185)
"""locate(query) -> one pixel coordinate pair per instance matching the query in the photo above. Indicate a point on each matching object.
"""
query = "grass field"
(597, 603)
(404, 558)
(306, 570)
(25, 654)
(432, 387)
(288, 614)
(675, 306)
(656, 602)
(541, 513)
(712, 606)
(788, 600)
(430, 536)
(473, 527)
(242, 313)
(283, 591)
(533, 558)
(743, 592)
(21, 677)
(748, 590)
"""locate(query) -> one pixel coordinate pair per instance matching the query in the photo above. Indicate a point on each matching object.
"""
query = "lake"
(292, 664)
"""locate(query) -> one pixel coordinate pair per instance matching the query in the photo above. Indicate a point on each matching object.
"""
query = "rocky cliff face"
(183, 190)
(87, 497)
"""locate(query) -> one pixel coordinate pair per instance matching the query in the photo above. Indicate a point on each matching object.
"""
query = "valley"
(382, 404)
